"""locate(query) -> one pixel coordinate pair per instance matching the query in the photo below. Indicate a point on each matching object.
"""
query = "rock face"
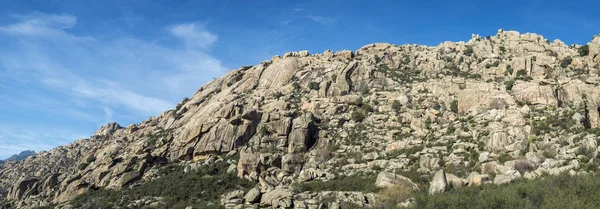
(380, 110)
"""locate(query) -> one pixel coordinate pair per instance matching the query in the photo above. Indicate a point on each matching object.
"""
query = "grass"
(364, 184)
(559, 192)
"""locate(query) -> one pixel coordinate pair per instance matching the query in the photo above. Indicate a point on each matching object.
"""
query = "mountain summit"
(304, 130)
(21, 156)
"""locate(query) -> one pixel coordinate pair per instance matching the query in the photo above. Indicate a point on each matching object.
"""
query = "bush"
(551, 192)
(313, 85)
(521, 73)
(200, 188)
(509, 84)
(584, 50)
(509, 69)
(504, 157)
(358, 116)
(475, 76)
(564, 63)
(358, 102)
(468, 51)
(296, 86)
(396, 106)
(342, 183)
(502, 49)
(454, 106)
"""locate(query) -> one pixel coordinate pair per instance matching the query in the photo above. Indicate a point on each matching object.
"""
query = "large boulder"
(439, 183)
(386, 179)
(277, 198)
(534, 93)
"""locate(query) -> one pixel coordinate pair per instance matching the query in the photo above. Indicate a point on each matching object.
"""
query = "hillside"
(348, 128)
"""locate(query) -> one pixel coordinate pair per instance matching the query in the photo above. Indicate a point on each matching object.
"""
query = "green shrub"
(358, 116)
(565, 62)
(508, 85)
(367, 108)
(468, 51)
(475, 76)
(296, 86)
(313, 85)
(502, 49)
(199, 188)
(504, 157)
(521, 73)
(552, 192)
(509, 69)
(454, 106)
(584, 50)
(358, 102)
(396, 106)
(364, 184)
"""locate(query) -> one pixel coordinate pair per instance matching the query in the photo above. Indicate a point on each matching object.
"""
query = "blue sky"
(68, 67)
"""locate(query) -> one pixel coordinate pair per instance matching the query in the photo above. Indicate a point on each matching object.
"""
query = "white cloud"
(124, 71)
(194, 36)
(40, 24)
(98, 78)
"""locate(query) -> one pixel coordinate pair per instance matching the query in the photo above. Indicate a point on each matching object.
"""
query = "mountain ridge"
(305, 117)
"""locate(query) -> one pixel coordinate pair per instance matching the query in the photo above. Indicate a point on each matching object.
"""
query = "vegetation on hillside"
(563, 191)
(198, 188)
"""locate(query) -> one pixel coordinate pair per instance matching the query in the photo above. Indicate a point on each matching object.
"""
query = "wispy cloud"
(40, 24)
(16, 138)
(321, 19)
(94, 77)
(195, 36)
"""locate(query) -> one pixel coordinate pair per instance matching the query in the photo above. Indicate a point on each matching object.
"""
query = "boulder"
(253, 196)
(502, 179)
(277, 198)
(386, 179)
(439, 183)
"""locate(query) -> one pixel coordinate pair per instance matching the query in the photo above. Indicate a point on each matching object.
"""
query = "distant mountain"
(21, 156)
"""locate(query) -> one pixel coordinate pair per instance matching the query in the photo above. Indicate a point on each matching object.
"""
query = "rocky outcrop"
(510, 106)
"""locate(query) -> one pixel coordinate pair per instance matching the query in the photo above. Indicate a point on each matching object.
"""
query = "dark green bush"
(560, 192)
(468, 51)
(396, 106)
(454, 106)
(509, 69)
(342, 183)
(504, 157)
(521, 73)
(584, 50)
(313, 85)
(358, 115)
(509, 84)
(475, 76)
(565, 62)
(200, 188)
